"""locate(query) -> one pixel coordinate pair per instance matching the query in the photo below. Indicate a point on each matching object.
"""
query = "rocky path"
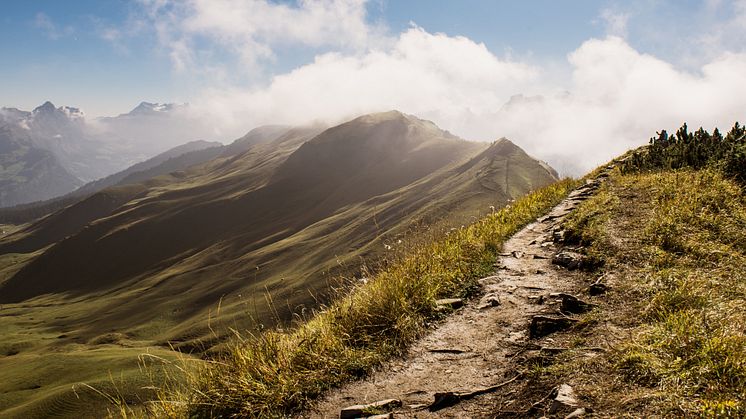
(461, 368)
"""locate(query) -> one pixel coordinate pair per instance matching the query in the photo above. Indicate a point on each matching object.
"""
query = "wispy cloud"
(615, 22)
(52, 31)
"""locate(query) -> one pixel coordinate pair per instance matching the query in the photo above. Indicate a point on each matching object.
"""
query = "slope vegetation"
(624, 301)
(258, 235)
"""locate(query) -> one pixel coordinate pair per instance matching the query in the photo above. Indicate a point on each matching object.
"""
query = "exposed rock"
(597, 289)
(369, 410)
(578, 413)
(565, 399)
(574, 305)
(384, 416)
(545, 325)
(567, 259)
(559, 236)
(536, 299)
(488, 279)
(444, 399)
(449, 303)
(489, 300)
(517, 254)
(449, 398)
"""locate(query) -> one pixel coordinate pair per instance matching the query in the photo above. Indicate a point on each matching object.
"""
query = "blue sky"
(105, 55)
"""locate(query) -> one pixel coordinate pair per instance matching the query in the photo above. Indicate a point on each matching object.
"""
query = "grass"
(278, 373)
(674, 246)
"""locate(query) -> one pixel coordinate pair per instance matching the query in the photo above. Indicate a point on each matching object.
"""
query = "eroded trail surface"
(464, 367)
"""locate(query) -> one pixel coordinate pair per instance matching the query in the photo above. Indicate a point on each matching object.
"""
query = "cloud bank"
(615, 99)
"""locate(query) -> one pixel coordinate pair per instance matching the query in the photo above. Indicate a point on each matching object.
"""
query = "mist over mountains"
(50, 151)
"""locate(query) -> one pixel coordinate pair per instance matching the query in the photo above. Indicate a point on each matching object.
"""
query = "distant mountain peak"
(148, 108)
(46, 107)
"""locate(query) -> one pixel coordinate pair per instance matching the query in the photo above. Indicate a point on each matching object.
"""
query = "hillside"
(177, 159)
(623, 300)
(276, 222)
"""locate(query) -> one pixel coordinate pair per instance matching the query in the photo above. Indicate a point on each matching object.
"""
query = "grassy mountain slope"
(667, 234)
(148, 263)
(85, 205)
(278, 373)
(670, 328)
(665, 237)
(177, 158)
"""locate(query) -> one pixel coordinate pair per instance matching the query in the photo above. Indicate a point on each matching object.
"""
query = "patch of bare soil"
(474, 363)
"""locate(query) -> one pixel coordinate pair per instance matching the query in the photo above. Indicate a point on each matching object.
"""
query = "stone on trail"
(574, 305)
(546, 325)
(565, 399)
(597, 289)
(578, 413)
(569, 260)
(489, 300)
(449, 303)
(369, 410)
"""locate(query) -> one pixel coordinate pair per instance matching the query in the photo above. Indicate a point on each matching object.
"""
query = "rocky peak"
(46, 108)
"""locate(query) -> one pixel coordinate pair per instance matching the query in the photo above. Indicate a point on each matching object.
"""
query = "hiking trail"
(467, 365)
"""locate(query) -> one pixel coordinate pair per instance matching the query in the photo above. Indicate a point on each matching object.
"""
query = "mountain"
(79, 151)
(147, 108)
(176, 159)
(257, 135)
(29, 172)
(62, 130)
(144, 264)
(255, 206)
(83, 205)
(50, 151)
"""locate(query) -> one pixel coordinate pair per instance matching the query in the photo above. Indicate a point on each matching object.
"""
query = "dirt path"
(474, 348)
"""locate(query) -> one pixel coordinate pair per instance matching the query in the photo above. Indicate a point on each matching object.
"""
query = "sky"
(597, 77)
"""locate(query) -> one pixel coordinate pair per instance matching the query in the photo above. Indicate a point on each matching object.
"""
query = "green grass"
(676, 242)
(78, 383)
(278, 373)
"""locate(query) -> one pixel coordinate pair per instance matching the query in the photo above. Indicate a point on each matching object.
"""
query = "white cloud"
(432, 75)
(618, 97)
(251, 29)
